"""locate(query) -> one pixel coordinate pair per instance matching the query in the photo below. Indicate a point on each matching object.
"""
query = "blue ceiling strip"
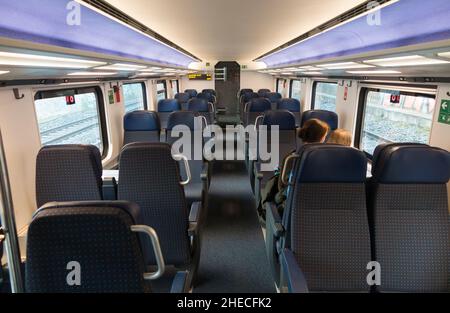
(45, 21)
(403, 23)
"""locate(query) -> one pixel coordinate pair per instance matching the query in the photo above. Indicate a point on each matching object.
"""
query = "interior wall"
(198, 85)
(256, 80)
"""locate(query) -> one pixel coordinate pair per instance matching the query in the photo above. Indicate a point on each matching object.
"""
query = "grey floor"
(233, 252)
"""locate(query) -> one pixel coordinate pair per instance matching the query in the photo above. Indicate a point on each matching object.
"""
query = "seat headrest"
(263, 92)
(247, 96)
(211, 91)
(284, 119)
(322, 163)
(161, 149)
(331, 118)
(292, 105)
(243, 91)
(198, 105)
(169, 105)
(186, 118)
(183, 97)
(192, 92)
(207, 96)
(273, 96)
(411, 164)
(142, 121)
(258, 105)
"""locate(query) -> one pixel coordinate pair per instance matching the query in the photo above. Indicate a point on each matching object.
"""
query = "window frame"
(362, 100)
(278, 80)
(314, 90)
(292, 83)
(144, 92)
(164, 82)
(178, 85)
(56, 93)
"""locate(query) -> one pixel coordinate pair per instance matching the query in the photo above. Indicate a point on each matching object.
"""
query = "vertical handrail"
(9, 225)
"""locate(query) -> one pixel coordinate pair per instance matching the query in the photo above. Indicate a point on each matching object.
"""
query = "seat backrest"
(165, 107)
(290, 104)
(207, 96)
(150, 177)
(245, 90)
(254, 108)
(192, 92)
(211, 91)
(329, 117)
(97, 237)
(183, 98)
(68, 173)
(326, 217)
(409, 217)
(273, 97)
(263, 92)
(141, 126)
(202, 107)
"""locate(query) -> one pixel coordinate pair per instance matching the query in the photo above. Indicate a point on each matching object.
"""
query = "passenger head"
(314, 131)
(341, 137)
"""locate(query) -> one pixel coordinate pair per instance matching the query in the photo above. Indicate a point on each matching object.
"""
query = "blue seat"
(329, 117)
(242, 91)
(203, 108)
(192, 92)
(273, 97)
(197, 189)
(165, 107)
(141, 126)
(68, 173)
(287, 139)
(322, 242)
(254, 108)
(150, 177)
(408, 213)
(183, 98)
(211, 91)
(263, 92)
(101, 238)
(292, 105)
(208, 97)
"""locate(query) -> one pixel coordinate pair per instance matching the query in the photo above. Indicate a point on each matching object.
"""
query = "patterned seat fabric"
(150, 177)
(95, 235)
(409, 217)
(165, 108)
(293, 106)
(192, 92)
(263, 92)
(326, 218)
(68, 173)
(141, 126)
(202, 107)
(331, 118)
(273, 97)
(211, 91)
(183, 98)
(254, 108)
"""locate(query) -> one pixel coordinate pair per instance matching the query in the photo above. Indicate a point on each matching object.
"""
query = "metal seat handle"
(150, 232)
(284, 179)
(179, 157)
(257, 120)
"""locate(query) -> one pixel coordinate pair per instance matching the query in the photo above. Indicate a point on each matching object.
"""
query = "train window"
(324, 96)
(175, 86)
(134, 97)
(74, 116)
(281, 86)
(161, 90)
(295, 90)
(393, 116)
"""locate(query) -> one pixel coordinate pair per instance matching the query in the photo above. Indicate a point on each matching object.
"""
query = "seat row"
(340, 232)
(121, 245)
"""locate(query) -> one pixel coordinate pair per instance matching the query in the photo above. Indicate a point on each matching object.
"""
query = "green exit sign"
(444, 112)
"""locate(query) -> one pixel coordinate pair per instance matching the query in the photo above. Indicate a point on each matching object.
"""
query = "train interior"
(94, 98)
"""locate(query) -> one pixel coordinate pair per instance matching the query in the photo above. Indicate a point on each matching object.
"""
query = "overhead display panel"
(70, 24)
(403, 23)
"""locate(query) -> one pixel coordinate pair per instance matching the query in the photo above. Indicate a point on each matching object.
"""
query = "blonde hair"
(341, 137)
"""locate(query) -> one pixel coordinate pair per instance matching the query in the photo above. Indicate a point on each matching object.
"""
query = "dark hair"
(313, 131)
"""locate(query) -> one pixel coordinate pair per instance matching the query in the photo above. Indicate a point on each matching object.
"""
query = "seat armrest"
(273, 220)
(179, 284)
(194, 217)
(109, 188)
(205, 172)
(292, 275)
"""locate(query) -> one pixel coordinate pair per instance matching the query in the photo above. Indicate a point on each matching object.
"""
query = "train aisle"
(233, 252)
